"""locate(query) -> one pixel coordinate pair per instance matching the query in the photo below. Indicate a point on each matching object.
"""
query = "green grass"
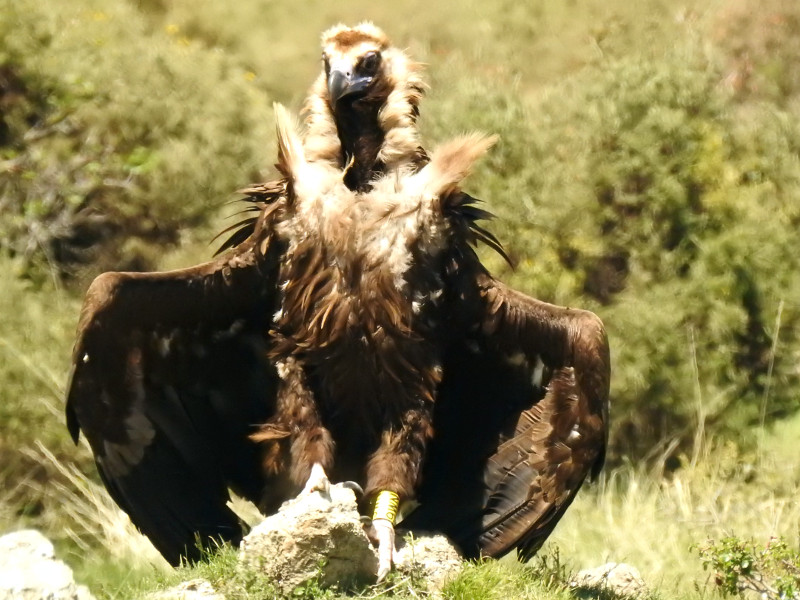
(35, 345)
(653, 521)
(650, 520)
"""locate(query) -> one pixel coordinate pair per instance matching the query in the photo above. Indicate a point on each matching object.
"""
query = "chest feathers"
(362, 277)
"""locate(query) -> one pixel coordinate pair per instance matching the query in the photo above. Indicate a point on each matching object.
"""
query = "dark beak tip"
(342, 84)
(337, 85)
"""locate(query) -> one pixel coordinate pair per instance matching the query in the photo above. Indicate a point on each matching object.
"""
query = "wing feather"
(512, 448)
(169, 377)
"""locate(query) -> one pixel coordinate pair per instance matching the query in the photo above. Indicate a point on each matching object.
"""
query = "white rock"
(620, 578)
(30, 571)
(314, 536)
(431, 557)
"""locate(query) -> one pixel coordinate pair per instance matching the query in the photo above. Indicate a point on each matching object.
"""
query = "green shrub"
(117, 134)
(738, 566)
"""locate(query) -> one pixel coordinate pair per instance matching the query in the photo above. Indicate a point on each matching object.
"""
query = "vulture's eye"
(370, 62)
(326, 63)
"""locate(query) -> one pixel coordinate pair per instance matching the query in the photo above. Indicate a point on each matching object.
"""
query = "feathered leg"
(297, 421)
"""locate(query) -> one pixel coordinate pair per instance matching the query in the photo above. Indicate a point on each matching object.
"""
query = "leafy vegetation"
(108, 131)
(772, 571)
(653, 217)
(649, 170)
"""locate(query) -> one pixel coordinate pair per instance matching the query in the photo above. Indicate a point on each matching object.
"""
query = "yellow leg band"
(386, 506)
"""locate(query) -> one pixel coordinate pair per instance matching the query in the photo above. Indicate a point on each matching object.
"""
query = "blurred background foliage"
(105, 123)
(649, 170)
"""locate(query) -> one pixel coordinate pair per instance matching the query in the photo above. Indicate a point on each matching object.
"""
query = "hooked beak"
(344, 82)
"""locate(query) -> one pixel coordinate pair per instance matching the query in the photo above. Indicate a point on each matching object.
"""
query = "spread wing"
(169, 376)
(521, 421)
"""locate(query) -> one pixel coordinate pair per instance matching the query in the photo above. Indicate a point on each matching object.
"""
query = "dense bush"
(115, 133)
(738, 566)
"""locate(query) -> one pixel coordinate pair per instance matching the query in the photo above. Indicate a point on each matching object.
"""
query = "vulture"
(346, 332)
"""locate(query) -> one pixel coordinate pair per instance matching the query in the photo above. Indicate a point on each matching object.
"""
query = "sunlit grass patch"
(36, 331)
(655, 521)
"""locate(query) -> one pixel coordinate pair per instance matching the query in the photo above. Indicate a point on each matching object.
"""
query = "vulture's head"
(363, 107)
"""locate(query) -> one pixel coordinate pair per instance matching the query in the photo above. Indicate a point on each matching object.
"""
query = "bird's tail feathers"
(452, 161)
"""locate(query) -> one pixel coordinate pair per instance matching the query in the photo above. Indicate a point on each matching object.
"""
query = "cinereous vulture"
(347, 331)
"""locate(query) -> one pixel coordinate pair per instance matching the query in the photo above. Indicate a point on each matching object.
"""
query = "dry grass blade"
(653, 522)
(89, 517)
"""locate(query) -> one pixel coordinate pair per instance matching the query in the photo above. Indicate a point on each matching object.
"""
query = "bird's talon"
(383, 571)
(352, 485)
(317, 482)
(381, 533)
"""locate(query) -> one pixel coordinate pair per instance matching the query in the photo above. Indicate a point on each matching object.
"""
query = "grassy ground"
(169, 101)
(646, 519)
(654, 522)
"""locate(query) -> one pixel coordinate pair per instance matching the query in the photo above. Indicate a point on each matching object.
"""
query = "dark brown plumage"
(404, 367)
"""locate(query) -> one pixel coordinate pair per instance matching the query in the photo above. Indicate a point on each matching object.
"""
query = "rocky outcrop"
(623, 580)
(319, 537)
(314, 537)
(29, 570)
(431, 558)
